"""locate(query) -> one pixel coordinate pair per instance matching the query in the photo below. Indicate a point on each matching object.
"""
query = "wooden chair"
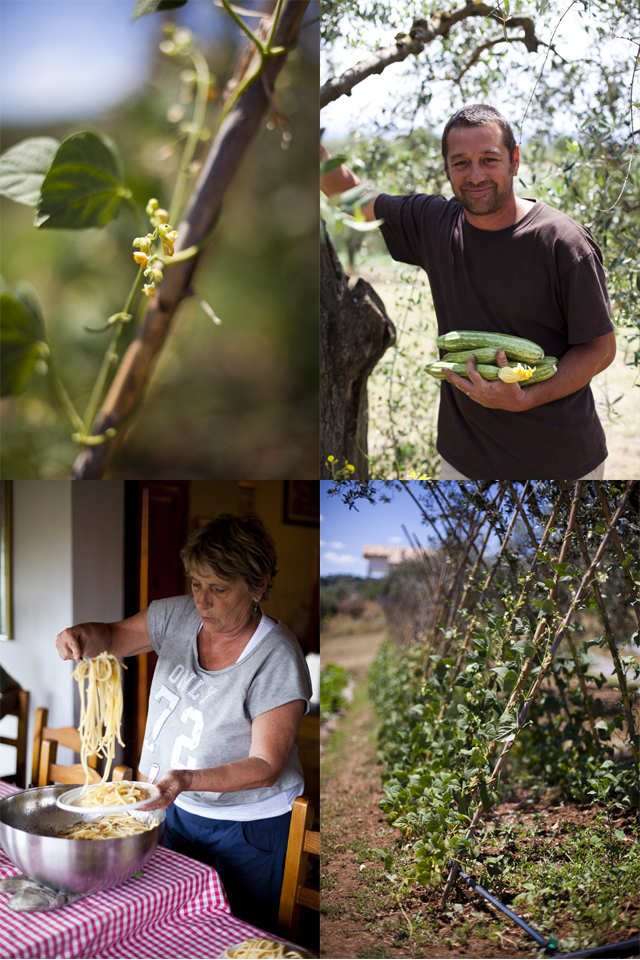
(46, 770)
(295, 894)
(16, 703)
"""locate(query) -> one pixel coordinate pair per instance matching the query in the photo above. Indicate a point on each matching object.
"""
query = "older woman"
(229, 691)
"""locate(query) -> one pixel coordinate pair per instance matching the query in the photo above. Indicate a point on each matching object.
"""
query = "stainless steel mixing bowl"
(29, 824)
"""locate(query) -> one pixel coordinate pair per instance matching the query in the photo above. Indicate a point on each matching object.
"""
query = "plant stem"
(197, 124)
(276, 14)
(101, 380)
(243, 25)
(62, 395)
(264, 51)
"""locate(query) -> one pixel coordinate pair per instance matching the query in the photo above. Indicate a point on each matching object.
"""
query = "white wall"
(97, 550)
(67, 567)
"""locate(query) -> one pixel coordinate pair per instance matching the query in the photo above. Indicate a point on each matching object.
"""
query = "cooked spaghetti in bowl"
(116, 797)
(108, 828)
(258, 948)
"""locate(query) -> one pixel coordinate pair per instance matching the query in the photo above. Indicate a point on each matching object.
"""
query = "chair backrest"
(45, 750)
(295, 893)
(19, 707)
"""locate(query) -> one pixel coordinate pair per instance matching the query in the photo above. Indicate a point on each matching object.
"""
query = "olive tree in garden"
(572, 104)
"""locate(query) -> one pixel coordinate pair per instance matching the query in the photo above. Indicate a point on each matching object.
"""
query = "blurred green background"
(239, 399)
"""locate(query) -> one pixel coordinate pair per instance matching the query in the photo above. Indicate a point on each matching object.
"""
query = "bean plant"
(495, 673)
(80, 183)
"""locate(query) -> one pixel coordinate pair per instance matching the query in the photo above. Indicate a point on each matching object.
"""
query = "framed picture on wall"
(6, 625)
(302, 502)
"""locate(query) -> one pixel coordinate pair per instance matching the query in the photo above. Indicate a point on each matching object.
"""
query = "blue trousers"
(249, 856)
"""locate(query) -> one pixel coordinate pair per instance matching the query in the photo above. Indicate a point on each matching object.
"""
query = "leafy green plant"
(484, 680)
(81, 183)
(333, 681)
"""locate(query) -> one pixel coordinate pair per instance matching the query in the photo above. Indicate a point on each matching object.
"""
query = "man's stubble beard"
(491, 203)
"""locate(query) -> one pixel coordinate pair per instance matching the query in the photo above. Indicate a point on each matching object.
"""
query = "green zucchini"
(486, 370)
(516, 348)
(482, 355)
(541, 372)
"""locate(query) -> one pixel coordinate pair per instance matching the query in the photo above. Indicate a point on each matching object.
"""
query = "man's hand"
(341, 179)
(489, 393)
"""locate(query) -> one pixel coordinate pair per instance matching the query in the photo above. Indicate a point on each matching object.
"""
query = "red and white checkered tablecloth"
(177, 909)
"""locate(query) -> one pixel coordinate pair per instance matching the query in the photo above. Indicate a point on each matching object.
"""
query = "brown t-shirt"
(541, 279)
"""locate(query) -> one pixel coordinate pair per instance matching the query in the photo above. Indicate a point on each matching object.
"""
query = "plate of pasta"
(262, 949)
(115, 797)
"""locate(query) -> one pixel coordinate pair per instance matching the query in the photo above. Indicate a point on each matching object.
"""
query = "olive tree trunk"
(355, 331)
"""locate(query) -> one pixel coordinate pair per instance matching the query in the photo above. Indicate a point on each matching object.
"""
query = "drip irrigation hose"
(627, 948)
(547, 944)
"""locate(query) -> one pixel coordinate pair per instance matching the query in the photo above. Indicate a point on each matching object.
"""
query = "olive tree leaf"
(84, 185)
(23, 168)
(143, 7)
(21, 341)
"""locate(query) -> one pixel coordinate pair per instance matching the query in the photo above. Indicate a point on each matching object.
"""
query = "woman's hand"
(74, 643)
(172, 783)
(124, 638)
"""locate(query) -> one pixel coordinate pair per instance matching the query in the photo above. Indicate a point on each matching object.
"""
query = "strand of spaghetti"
(257, 949)
(100, 710)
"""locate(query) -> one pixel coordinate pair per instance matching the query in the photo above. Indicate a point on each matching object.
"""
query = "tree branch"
(475, 56)
(223, 160)
(422, 33)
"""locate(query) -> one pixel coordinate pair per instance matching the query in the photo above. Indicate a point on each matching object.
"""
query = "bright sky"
(343, 531)
(71, 59)
(348, 113)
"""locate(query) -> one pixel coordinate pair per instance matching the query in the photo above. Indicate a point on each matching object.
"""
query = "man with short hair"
(505, 264)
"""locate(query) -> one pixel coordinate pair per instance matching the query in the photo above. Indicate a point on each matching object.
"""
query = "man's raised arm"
(340, 179)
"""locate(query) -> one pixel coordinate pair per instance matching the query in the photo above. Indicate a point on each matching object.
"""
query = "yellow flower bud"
(149, 289)
(152, 206)
(141, 258)
(167, 242)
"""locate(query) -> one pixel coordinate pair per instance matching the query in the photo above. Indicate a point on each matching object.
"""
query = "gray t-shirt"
(202, 718)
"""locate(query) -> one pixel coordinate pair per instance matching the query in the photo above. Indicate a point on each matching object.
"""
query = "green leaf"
(84, 185)
(362, 225)
(547, 608)
(143, 7)
(507, 727)
(23, 168)
(331, 163)
(484, 796)
(21, 342)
